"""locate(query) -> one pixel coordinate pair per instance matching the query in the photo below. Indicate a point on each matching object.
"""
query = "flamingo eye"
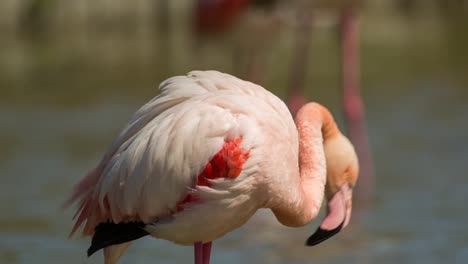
(347, 176)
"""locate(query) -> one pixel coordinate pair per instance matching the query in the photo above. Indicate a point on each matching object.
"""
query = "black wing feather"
(108, 234)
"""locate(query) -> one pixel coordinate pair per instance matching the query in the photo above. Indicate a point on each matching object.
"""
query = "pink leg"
(301, 50)
(352, 101)
(198, 249)
(206, 252)
(202, 252)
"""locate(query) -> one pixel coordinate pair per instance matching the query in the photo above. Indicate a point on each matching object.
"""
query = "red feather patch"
(227, 163)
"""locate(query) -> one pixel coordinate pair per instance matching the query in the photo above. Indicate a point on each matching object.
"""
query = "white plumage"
(156, 170)
(155, 160)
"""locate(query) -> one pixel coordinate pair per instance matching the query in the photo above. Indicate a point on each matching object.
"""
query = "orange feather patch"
(227, 163)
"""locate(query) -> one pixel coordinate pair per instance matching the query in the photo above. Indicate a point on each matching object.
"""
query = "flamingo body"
(155, 161)
(216, 16)
(198, 160)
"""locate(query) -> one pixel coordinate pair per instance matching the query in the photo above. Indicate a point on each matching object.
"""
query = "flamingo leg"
(301, 51)
(206, 252)
(198, 250)
(352, 101)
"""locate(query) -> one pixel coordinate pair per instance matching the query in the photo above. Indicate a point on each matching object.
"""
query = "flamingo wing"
(152, 164)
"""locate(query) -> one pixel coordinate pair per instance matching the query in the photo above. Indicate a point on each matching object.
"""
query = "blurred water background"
(73, 72)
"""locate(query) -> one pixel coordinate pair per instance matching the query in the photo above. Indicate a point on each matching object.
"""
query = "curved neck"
(315, 125)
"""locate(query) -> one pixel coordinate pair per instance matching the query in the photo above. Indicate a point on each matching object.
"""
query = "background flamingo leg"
(353, 105)
(298, 68)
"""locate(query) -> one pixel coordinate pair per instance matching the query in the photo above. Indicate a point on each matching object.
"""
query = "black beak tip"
(321, 235)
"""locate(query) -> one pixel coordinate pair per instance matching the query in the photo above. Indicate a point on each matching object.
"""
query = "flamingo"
(217, 16)
(353, 106)
(198, 160)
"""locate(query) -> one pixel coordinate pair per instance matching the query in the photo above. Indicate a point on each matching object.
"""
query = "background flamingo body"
(216, 16)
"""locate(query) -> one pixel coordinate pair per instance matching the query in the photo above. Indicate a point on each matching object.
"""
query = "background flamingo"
(219, 16)
(199, 159)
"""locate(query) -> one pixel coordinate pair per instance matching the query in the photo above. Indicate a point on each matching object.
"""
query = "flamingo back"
(154, 163)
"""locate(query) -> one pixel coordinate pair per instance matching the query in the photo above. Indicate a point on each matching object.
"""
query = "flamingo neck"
(315, 125)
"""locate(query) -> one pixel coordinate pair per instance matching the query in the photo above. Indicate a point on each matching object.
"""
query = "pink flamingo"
(218, 16)
(198, 160)
(352, 103)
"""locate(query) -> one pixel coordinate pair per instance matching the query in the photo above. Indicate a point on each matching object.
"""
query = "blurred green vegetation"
(67, 68)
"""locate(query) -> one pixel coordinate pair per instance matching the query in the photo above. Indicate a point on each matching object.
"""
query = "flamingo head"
(342, 174)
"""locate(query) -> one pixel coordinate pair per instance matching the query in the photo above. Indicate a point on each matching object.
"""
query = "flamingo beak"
(338, 215)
